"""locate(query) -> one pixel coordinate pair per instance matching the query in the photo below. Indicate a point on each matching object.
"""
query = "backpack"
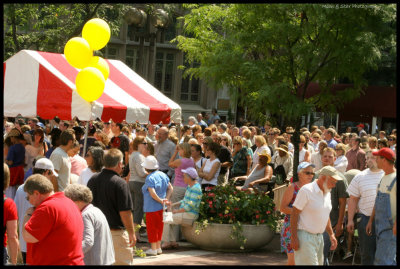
(280, 175)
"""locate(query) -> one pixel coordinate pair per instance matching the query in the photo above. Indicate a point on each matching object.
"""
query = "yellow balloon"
(90, 83)
(97, 33)
(101, 64)
(78, 52)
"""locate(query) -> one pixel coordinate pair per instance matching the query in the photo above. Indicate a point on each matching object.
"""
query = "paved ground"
(189, 254)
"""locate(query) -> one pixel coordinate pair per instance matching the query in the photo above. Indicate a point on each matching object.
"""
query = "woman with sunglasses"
(305, 171)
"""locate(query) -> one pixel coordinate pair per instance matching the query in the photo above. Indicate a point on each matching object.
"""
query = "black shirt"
(111, 194)
(120, 142)
(224, 156)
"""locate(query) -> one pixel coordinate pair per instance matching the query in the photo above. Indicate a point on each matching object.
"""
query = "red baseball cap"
(386, 153)
(360, 125)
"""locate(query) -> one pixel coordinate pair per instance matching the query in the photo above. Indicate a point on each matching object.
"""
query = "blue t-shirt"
(28, 173)
(159, 182)
(16, 153)
(49, 152)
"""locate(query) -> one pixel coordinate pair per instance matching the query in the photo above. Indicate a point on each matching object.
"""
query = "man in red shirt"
(53, 226)
(10, 225)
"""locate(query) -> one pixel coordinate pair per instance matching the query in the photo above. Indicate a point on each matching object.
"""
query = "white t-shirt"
(341, 163)
(315, 207)
(364, 186)
(385, 183)
(62, 164)
(86, 174)
(207, 168)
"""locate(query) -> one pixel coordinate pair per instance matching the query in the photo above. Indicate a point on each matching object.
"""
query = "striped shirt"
(191, 200)
(364, 186)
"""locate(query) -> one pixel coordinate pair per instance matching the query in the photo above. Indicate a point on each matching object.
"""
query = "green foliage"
(269, 50)
(227, 205)
(48, 27)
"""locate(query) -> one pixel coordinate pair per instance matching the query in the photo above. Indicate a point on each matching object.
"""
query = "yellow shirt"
(385, 182)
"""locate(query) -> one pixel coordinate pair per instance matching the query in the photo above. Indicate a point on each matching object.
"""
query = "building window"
(111, 52)
(132, 59)
(164, 72)
(190, 88)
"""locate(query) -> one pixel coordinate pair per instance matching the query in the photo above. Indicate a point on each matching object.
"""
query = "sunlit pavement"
(188, 254)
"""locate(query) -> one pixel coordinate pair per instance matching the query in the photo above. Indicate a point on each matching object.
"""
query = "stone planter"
(216, 237)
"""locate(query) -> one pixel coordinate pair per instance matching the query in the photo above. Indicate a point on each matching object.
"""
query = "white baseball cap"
(150, 163)
(44, 163)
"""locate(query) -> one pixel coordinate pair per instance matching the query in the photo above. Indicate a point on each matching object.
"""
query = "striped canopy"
(43, 84)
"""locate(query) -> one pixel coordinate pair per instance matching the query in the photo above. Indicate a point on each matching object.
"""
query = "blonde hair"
(237, 139)
(260, 139)
(341, 147)
(186, 149)
(246, 133)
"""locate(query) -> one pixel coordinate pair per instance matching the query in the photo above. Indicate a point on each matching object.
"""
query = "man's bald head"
(162, 134)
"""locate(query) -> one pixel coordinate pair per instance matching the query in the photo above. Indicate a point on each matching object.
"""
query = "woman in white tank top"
(209, 172)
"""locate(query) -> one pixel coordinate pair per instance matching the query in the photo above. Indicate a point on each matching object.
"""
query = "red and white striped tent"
(43, 84)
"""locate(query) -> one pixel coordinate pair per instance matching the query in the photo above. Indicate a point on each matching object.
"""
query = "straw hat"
(265, 153)
(283, 148)
(14, 133)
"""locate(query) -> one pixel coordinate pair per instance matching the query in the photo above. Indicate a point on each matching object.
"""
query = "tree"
(48, 27)
(270, 53)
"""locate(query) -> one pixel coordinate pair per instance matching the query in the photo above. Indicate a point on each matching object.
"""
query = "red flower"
(210, 202)
(257, 216)
(236, 208)
(226, 215)
(257, 211)
(225, 201)
(220, 214)
(211, 194)
(268, 212)
(262, 221)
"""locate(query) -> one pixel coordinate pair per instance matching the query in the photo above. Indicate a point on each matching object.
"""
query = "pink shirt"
(78, 163)
(185, 163)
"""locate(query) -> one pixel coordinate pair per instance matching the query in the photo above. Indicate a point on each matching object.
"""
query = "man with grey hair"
(53, 218)
(97, 244)
(112, 196)
(222, 129)
(192, 121)
(164, 149)
(310, 218)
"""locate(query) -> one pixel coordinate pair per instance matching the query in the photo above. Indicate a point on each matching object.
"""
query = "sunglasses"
(390, 140)
(144, 143)
(309, 173)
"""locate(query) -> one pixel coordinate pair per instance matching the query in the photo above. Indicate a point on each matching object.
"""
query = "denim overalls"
(385, 240)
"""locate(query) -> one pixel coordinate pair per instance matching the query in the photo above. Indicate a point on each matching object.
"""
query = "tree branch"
(14, 28)
(88, 16)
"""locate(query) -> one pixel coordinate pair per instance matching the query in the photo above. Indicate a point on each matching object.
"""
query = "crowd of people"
(122, 176)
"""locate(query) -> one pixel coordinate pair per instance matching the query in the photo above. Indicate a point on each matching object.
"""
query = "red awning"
(43, 84)
(378, 101)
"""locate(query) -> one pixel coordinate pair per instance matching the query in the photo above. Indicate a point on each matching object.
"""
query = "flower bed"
(227, 205)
